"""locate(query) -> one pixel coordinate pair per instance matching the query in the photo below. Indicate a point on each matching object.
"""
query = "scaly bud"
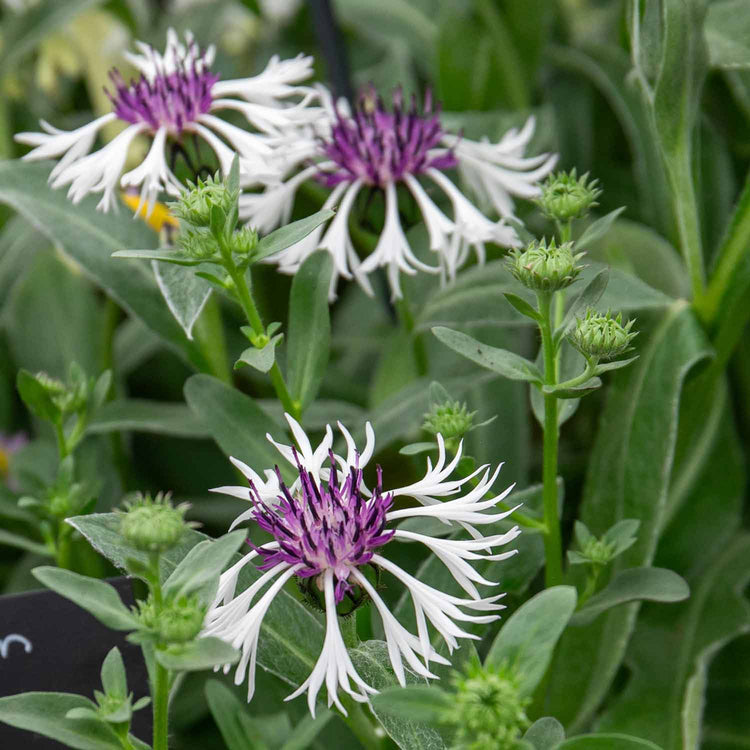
(176, 621)
(566, 196)
(451, 419)
(153, 525)
(545, 267)
(194, 204)
(599, 336)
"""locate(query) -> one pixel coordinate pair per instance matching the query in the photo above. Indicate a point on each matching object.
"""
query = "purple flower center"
(380, 147)
(168, 99)
(328, 527)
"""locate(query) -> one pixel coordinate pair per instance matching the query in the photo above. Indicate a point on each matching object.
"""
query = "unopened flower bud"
(243, 241)
(194, 204)
(545, 267)
(198, 243)
(451, 419)
(599, 336)
(176, 621)
(153, 525)
(488, 711)
(566, 196)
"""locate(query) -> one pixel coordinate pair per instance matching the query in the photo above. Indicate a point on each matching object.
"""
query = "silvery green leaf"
(184, 292)
(597, 229)
(414, 449)
(524, 307)
(261, 359)
(622, 535)
(545, 733)
(114, 679)
(413, 703)
(290, 234)
(164, 254)
(728, 34)
(575, 391)
(616, 365)
(588, 297)
(197, 655)
(143, 415)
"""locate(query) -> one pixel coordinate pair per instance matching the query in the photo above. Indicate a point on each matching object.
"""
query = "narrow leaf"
(114, 680)
(597, 229)
(164, 254)
(524, 307)
(141, 415)
(197, 655)
(185, 293)
(290, 234)
(413, 703)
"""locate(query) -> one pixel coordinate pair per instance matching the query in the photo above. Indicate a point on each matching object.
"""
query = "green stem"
(62, 443)
(552, 540)
(161, 707)
(407, 319)
(209, 334)
(587, 374)
(362, 728)
(62, 546)
(590, 587)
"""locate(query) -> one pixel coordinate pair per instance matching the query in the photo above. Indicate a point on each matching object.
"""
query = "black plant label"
(49, 644)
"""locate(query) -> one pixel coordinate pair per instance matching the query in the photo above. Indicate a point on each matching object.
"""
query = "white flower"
(176, 96)
(372, 147)
(328, 527)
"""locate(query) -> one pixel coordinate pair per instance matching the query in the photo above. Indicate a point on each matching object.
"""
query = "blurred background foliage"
(491, 63)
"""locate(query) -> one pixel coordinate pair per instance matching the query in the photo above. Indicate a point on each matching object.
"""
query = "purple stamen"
(381, 147)
(331, 526)
(172, 100)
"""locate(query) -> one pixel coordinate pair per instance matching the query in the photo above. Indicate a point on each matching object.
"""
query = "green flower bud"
(194, 204)
(599, 336)
(488, 710)
(545, 268)
(198, 243)
(175, 621)
(153, 525)
(243, 241)
(566, 196)
(451, 419)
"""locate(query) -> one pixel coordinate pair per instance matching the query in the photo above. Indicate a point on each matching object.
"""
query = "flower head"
(546, 267)
(329, 530)
(153, 525)
(176, 94)
(566, 196)
(378, 147)
(602, 336)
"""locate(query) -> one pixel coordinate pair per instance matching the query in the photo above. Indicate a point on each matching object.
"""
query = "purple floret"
(380, 147)
(332, 526)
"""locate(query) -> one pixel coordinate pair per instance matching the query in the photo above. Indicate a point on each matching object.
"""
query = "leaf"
(508, 364)
(22, 32)
(307, 730)
(598, 229)
(373, 666)
(36, 397)
(197, 655)
(165, 254)
(85, 234)
(12, 539)
(44, 713)
(628, 477)
(576, 391)
(290, 234)
(114, 679)
(261, 359)
(226, 710)
(653, 584)
(413, 703)
(527, 640)
(588, 297)
(606, 742)
(142, 415)
(728, 34)
(524, 307)
(91, 594)
(309, 327)
(185, 293)
(199, 570)
(234, 420)
(545, 734)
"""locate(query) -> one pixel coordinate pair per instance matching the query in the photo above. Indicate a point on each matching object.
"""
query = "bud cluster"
(488, 710)
(565, 196)
(194, 206)
(175, 620)
(545, 267)
(153, 525)
(451, 419)
(599, 336)
(599, 551)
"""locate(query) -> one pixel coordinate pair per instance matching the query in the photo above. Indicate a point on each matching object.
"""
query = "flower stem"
(161, 707)
(552, 540)
(407, 319)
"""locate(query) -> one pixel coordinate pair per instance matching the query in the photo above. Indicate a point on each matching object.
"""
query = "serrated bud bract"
(545, 267)
(194, 204)
(565, 196)
(599, 336)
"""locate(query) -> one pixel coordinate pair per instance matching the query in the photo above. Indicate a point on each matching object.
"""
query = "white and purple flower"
(328, 528)
(373, 147)
(176, 96)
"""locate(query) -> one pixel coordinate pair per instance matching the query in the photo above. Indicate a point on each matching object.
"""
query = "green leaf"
(44, 713)
(261, 359)
(527, 640)
(141, 415)
(36, 397)
(606, 742)
(309, 327)
(233, 419)
(728, 34)
(506, 363)
(200, 569)
(226, 710)
(288, 235)
(597, 229)
(545, 734)
(91, 594)
(576, 391)
(22, 32)
(633, 584)
(164, 254)
(524, 307)
(413, 703)
(114, 679)
(12, 539)
(185, 293)
(616, 365)
(587, 298)
(373, 666)
(307, 730)
(194, 656)
(84, 235)
(628, 477)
